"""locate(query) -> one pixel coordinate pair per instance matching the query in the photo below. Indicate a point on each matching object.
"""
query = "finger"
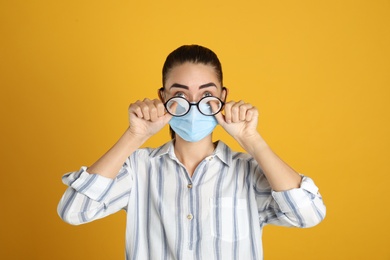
(219, 116)
(215, 105)
(252, 114)
(236, 111)
(155, 108)
(166, 118)
(160, 107)
(172, 106)
(135, 109)
(153, 113)
(228, 111)
(144, 105)
(244, 111)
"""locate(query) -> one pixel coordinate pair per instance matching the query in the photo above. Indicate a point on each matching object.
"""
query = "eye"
(207, 94)
(180, 94)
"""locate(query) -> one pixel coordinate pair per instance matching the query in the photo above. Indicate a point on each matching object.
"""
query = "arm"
(92, 196)
(280, 176)
(240, 121)
(293, 200)
(146, 118)
(103, 188)
(110, 163)
(302, 207)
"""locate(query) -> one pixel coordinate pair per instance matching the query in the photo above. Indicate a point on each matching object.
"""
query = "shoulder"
(149, 153)
(230, 156)
(241, 156)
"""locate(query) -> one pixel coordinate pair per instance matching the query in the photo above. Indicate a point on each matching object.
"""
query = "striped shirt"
(218, 213)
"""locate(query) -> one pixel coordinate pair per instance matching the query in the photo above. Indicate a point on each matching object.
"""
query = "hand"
(240, 120)
(147, 117)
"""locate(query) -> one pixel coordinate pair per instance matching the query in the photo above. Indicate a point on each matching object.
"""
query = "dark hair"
(194, 54)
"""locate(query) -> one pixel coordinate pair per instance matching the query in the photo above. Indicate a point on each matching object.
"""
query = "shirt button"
(189, 185)
(189, 216)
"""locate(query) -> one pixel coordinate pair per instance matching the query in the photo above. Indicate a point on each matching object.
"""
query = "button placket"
(191, 214)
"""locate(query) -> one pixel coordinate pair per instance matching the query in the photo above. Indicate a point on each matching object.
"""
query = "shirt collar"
(162, 150)
(222, 151)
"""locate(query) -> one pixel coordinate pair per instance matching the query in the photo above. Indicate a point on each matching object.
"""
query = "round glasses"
(208, 106)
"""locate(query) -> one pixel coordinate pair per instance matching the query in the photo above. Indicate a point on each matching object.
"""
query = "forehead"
(190, 74)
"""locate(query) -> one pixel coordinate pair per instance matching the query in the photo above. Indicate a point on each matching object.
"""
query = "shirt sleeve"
(302, 207)
(92, 196)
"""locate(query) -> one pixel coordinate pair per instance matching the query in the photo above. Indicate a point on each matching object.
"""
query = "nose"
(193, 100)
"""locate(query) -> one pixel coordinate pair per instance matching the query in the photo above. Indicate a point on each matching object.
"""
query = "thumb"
(166, 118)
(220, 118)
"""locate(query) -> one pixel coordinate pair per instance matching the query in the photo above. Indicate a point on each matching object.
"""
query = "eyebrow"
(177, 85)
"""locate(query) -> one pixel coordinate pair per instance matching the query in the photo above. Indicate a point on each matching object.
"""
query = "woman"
(192, 198)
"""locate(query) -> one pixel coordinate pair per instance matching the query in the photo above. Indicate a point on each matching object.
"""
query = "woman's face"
(192, 81)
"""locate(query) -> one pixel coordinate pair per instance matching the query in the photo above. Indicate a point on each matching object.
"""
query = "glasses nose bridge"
(192, 104)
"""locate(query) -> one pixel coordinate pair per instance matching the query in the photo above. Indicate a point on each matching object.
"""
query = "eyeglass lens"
(179, 106)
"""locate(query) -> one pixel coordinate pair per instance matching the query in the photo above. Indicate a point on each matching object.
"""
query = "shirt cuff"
(92, 185)
(296, 198)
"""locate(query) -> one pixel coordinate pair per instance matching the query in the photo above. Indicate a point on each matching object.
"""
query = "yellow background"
(317, 70)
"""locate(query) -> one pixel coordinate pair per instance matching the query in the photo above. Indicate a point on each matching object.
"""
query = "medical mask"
(194, 126)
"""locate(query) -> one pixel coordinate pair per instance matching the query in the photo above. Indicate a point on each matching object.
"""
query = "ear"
(160, 93)
(224, 94)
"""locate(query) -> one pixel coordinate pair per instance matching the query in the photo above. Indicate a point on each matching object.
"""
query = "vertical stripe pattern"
(218, 213)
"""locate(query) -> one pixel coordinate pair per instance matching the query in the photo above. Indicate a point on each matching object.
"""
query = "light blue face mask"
(194, 126)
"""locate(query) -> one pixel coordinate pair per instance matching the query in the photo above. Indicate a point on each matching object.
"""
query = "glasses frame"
(194, 104)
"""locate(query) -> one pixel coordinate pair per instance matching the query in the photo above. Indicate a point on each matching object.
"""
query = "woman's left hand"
(239, 120)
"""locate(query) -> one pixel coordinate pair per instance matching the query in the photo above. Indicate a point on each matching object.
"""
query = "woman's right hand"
(147, 117)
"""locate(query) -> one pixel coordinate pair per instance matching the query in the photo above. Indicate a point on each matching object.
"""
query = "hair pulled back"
(193, 54)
